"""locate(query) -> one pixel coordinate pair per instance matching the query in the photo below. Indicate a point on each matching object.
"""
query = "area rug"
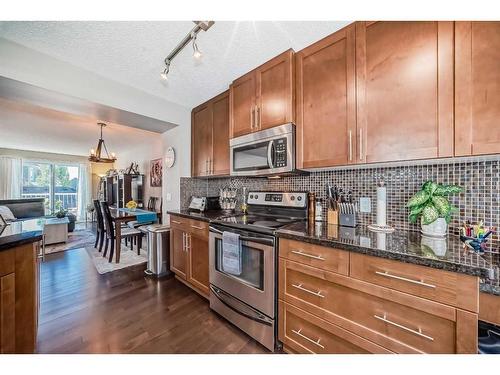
(128, 258)
(77, 239)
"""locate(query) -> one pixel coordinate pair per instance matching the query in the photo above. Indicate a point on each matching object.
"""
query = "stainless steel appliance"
(249, 300)
(204, 203)
(266, 152)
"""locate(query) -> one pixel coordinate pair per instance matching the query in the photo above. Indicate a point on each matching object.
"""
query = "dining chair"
(133, 235)
(100, 230)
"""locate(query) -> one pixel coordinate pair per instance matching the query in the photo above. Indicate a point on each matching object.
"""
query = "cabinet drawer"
(179, 222)
(198, 227)
(397, 321)
(313, 255)
(305, 333)
(443, 286)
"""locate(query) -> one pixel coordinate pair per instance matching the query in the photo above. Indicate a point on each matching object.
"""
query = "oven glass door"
(252, 270)
(251, 157)
(256, 283)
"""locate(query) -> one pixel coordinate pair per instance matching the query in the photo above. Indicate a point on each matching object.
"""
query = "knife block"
(332, 217)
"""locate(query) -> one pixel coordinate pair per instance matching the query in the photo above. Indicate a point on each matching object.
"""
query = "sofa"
(32, 208)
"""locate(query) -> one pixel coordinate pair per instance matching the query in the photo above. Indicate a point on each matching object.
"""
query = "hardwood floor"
(124, 312)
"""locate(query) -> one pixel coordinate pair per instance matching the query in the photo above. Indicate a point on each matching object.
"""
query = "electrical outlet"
(365, 205)
(168, 197)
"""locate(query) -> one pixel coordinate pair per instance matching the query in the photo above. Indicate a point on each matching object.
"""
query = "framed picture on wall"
(155, 173)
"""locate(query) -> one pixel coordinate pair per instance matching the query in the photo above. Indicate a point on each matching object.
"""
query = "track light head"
(164, 74)
(196, 51)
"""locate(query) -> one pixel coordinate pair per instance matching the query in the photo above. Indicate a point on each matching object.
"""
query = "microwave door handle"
(270, 147)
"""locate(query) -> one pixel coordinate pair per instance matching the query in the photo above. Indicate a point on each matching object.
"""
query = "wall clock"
(170, 157)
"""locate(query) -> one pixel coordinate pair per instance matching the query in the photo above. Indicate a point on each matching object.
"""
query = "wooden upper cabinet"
(477, 88)
(220, 133)
(404, 90)
(275, 91)
(242, 105)
(210, 137)
(264, 97)
(201, 139)
(326, 101)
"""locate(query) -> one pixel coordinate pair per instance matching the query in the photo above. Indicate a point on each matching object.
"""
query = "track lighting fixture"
(196, 51)
(200, 25)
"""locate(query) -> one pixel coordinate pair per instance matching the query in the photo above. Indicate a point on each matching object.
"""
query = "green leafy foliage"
(430, 203)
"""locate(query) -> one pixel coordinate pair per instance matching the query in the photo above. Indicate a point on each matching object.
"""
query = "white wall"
(145, 149)
(180, 139)
(36, 68)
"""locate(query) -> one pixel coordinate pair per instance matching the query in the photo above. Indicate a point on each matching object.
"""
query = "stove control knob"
(256, 196)
(299, 198)
(292, 197)
(251, 196)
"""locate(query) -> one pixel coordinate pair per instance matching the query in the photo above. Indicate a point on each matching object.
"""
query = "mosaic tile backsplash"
(479, 177)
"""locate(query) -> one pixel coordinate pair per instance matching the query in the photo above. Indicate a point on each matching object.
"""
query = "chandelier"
(96, 154)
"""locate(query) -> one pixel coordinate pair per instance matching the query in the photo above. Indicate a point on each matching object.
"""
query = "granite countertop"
(406, 246)
(20, 233)
(206, 216)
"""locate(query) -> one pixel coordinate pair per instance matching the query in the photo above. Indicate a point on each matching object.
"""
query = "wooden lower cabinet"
(304, 332)
(189, 253)
(178, 252)
(198, 262)
(18, 299)
(386, 318)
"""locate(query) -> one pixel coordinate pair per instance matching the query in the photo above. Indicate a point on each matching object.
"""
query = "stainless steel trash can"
(158, 250)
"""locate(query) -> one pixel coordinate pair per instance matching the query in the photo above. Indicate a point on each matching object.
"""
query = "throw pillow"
(7, 213)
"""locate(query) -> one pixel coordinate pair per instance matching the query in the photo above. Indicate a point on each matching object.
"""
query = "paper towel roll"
(381, 205)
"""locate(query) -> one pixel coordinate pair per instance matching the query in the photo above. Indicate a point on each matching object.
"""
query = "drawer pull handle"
(317, 294)
(176, 222)
(418, 333)
(196, 227)
(300, 252)
(418, 282)
(315, 342)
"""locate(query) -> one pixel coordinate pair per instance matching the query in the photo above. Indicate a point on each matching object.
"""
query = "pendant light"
(96, 154)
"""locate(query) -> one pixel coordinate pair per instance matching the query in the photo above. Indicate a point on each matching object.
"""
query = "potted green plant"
(433, 208)
(59, 211)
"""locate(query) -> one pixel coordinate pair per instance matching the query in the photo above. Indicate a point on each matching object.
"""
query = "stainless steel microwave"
(266, 152)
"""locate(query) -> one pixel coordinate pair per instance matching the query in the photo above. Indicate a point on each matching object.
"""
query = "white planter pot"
(438, 228)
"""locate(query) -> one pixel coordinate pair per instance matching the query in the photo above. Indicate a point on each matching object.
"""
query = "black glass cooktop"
(257, 223)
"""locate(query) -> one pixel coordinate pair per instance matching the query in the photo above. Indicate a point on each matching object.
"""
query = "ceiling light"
(196, 51)
(96, 154)
(191, 36)
(164, 74)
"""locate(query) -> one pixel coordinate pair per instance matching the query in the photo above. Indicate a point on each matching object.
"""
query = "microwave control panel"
(280, 159)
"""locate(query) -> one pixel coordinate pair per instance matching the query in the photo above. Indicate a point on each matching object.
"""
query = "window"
(57, 183)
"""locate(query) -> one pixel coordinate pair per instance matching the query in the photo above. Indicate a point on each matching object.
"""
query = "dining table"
(122, 216)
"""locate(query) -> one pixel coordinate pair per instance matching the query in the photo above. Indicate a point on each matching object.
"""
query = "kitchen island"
(19, 254)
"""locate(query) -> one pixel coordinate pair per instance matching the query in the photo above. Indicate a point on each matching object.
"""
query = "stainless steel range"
(248, 298)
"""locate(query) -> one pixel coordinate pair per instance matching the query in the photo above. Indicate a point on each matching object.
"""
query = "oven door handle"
(264, 241)
(239, 307)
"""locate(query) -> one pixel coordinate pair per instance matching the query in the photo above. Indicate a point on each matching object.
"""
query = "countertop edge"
(24, 238)
(426, 262)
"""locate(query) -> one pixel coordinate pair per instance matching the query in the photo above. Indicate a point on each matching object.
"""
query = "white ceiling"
(132, 53)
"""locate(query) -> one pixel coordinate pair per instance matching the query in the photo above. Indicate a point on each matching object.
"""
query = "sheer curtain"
(84, 190)
(10, 177)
